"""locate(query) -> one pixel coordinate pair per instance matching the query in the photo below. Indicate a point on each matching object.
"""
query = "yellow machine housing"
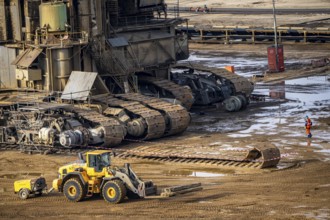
(93, 174)
(26, 187)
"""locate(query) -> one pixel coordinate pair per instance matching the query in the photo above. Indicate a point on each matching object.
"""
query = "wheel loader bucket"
(146, 189)
(268, 156)
(150, 188)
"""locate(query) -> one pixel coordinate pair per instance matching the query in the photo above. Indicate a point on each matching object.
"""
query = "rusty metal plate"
(26, 58)
(42, 106)
(3, 22)
(16, 18)
(79, 85)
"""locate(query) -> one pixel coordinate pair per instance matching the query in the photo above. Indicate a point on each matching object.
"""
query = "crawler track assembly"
(147, 117)
(183, 94)
(113, 131)
(256, 158)
(177, 118)
(153, 119)
(240, 83)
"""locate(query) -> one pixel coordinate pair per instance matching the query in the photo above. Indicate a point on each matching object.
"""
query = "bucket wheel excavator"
(74, 81)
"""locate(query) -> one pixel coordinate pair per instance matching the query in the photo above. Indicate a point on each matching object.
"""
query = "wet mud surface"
(298, 191)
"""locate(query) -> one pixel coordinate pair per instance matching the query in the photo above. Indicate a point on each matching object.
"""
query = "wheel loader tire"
(114, 191)
(74, 190)
(23, 193)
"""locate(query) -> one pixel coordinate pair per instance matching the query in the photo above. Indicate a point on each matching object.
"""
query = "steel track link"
(113, 129)
(183, 94)
(177, 116)
(154, 120)
(168, 156)
(270, 156)
(259, 157)
(154, 156)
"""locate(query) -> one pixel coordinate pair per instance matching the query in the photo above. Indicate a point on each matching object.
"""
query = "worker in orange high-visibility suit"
(308, 126)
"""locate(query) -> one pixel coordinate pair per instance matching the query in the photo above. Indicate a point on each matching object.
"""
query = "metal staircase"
(118, 63)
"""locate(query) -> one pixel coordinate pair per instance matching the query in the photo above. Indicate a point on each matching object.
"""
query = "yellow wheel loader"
(93, 174)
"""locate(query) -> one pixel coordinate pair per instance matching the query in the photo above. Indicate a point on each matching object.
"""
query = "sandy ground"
(299, 188)
(299, 192)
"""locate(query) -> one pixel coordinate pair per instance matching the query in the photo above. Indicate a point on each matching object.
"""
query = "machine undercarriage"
(200, 86)
(85, 67)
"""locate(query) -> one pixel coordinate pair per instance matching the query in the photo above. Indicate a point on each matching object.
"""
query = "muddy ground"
(299, 188)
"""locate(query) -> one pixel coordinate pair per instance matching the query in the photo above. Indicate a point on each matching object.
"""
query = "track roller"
(233, 104)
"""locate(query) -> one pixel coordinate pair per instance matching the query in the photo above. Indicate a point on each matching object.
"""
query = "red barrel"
(274, 66)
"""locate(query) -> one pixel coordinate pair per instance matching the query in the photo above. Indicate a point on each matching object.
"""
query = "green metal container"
(53, 15)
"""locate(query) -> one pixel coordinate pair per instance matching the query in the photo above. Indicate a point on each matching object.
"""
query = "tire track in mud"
(138, 208)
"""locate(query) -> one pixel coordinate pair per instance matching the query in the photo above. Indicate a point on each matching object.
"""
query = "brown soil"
(297, 193)
(300, 192)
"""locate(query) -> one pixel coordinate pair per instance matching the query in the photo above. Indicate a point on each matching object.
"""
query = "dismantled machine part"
(48, 124)
(130, 116)
(260, 156)
(207, 85)
(85, 54)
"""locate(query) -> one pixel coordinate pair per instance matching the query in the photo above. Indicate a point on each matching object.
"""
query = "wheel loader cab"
(96, 162)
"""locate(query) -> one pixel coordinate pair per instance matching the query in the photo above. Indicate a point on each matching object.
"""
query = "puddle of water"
(320, 214)
(271, 212)
(204, 174)
(300, 206)
(305, 96)
(244, 64)
(239, 135)
(218, 125)
(313, 100)
(282, 166)
(219, 144)
(327, 151)
(204, 202)
(310, 143)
